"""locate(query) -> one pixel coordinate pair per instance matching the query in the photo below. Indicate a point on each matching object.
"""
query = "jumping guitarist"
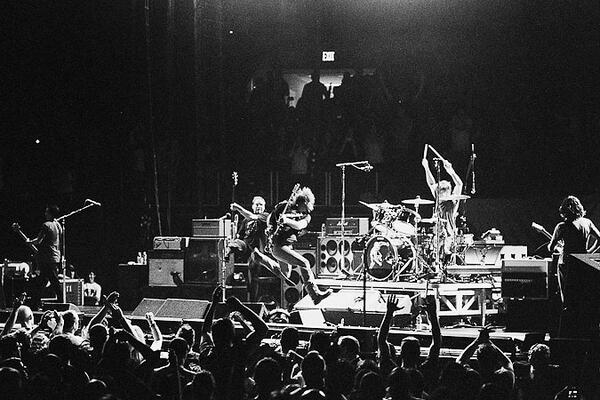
(286, 221)
(48, 243)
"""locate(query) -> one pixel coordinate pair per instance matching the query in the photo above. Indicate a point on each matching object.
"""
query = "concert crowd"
(112, 357)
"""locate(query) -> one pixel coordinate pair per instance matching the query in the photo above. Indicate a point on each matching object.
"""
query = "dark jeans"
(48, 272)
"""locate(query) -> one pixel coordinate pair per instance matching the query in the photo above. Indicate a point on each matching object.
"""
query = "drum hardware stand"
(63, 242)
(439, 267)
(366, 167)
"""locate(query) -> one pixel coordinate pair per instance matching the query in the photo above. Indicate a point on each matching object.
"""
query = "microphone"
(90, 201)
(473, 156)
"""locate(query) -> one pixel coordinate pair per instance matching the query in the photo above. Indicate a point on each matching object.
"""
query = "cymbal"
(379, 206)
(417, 201)
(432, 220)
(454, 197)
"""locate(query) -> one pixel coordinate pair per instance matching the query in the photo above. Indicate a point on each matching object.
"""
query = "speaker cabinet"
(205, 261)
(290, 295)
(330, 252)
(163, 266)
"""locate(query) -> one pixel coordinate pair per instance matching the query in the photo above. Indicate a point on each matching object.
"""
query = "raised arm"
(431, 308)
(143, 348)
(245, 213)
(157, 336)
(458, 183)
(207, 325)
(106, 308)
(428, 176)
(260, 327)
(467, 353)
(12, 318)
(384, 329)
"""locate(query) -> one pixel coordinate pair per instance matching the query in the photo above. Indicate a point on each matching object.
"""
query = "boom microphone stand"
(63, 243)
(366, 167)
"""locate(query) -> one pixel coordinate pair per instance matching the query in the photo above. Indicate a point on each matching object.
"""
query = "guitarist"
(579, 235)
(48, 242)
(250, 236)
(301, 204)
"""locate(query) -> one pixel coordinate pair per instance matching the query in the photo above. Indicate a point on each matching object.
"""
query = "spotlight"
(231, 32)
(37, 141)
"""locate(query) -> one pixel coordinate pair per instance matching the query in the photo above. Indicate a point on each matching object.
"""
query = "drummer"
(448, 209)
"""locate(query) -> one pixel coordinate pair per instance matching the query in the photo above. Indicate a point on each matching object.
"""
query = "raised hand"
(430, 304)
(234, 303)
(392, 303)
(150, 318)
(484, 335)
(217, 294)
(425, 163)
(447, 165)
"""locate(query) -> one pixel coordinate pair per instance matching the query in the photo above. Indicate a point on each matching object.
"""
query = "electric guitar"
(540, 229)
(17, 228)
(273, 231)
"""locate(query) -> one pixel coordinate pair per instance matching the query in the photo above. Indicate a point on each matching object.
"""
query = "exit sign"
(328, 56)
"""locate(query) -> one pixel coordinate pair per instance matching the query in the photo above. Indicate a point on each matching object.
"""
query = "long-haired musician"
(448, 209)
(296, 219)
(579, 235)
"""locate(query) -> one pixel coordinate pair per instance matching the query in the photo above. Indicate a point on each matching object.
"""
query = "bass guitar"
(273, 231)
(540, 229)
(17, 228)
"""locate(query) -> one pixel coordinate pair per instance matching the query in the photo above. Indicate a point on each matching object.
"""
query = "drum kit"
(401, 246)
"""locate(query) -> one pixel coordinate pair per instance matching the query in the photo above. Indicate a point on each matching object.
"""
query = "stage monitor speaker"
(61, 307)
(291, 294)
(525, 279)
(331, 255)
(148, 305)
(131, 281)
(493, 254)
(165, 268)
(308, 317)
(205, 261)
(347, 305)
(183, 309)
(223, 311)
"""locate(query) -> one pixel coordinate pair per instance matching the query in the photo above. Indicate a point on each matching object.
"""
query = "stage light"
(231, 32)
(37, 141)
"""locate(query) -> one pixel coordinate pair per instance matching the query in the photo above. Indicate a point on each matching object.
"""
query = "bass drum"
(383, 256)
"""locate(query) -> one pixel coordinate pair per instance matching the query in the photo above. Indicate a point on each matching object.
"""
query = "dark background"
(75, 77)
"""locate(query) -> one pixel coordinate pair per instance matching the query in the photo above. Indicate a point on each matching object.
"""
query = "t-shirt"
(227, 367)
(575, 235)
(252, 231)
(285, 235)
(49, 247)
(92, 289)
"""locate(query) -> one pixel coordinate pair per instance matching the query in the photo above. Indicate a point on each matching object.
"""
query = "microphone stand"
(366, 167)
(63, 246)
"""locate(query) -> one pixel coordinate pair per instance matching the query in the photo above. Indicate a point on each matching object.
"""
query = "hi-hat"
(432, 220)
(417, 201)
(454, 197)
(379, 206)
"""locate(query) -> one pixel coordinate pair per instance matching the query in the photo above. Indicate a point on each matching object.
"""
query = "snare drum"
(383, 255)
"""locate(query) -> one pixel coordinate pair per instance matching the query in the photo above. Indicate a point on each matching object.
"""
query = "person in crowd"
(267, 378)
(493, 365)
(223, 354)
(92, 291)
(169, 381)
(349, 350)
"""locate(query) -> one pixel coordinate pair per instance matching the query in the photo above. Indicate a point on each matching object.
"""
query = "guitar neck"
(31, 246)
